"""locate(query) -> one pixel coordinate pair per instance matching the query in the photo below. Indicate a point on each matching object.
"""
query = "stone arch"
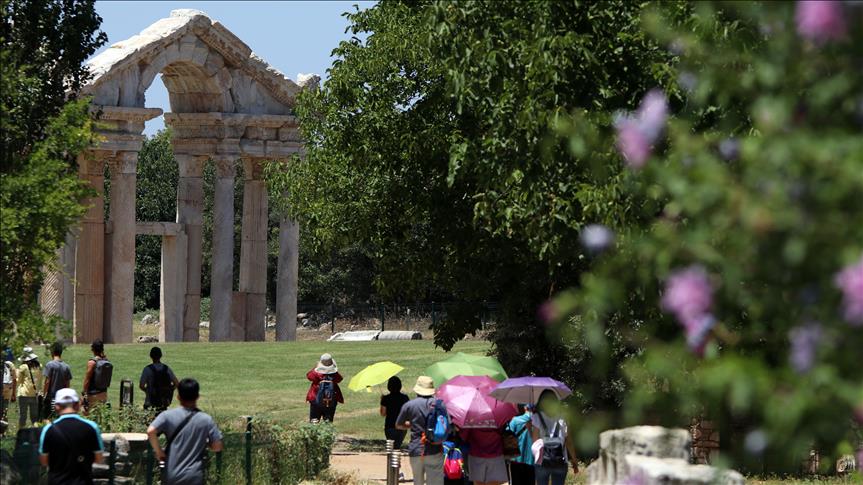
(227, 106)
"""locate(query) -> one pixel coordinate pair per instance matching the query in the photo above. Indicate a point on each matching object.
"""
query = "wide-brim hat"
(424, 386)
(29, 357)
(327, 365)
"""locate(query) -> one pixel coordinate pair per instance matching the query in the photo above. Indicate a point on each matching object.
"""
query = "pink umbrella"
(470, 404)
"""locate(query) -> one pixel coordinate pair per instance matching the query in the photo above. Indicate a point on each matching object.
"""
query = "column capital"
(226, 165)
(123, 162)
(253, 168)
(190, 165)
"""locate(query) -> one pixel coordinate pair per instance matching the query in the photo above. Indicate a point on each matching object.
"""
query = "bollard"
(248, 450)
(393, 467)
(127, 392)
(390, 450)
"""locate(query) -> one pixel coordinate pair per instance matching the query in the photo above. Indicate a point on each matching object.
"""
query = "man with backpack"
(189, 431)
(97, 380)
(324, 392)
(158, 383)
(428, 422)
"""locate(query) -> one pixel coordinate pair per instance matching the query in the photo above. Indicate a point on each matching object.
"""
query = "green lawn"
(268, 379)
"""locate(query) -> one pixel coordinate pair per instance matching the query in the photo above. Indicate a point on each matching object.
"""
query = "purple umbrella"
(526, 390)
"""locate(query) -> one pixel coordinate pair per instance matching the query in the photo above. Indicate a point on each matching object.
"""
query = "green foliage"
(157, 201)
(297, 454)
(772, 223)
(436, 143)
(129, 419)
(43, 47)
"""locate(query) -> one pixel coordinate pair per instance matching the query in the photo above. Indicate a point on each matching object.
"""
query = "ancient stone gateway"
(227, 106)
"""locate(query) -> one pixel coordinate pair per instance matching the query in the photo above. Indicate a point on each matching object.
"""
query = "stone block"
(675, 471)
(648, 441)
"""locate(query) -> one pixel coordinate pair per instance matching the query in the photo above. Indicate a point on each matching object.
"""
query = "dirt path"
(365, 466)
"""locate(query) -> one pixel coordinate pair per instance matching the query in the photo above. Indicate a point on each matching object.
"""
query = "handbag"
(510, 441)
(39, 397)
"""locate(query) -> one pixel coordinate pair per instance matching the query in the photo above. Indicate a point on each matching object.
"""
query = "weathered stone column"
(120, 275)
(172, 291)
(190, 203)
(287, 279)
(222, 274)
(253, 252)
(89, 257)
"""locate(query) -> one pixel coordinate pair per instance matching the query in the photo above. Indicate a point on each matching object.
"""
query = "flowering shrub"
(744, 295)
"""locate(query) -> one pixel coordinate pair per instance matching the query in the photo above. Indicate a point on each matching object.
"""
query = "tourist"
(97, 380)
(391, 406)
(548, 425)
(324, 392)
(9, 384)
(158, 383)
(189, 432)
(485, 460)
(426, 458)
(521, 466)
(58, 376)
(29, 387)
(71, 444)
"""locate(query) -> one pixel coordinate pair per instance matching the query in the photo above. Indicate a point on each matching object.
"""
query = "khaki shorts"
(487, 469)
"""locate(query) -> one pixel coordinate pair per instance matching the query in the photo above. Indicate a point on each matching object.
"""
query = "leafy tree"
(752, 269)
(437, 142)
(157, 201)
(44, 44)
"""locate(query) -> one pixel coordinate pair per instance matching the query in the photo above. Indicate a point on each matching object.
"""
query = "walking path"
(366, 467)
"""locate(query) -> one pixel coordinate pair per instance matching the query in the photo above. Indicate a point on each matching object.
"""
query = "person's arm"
(14, 373)
(312, 376)
(217, 446)
(570, 448)
(337, 378)
(402, 422)
(153, 436)
(144, 378)
(98, 457)
(91, 364)
(45, 384)
(43, 459)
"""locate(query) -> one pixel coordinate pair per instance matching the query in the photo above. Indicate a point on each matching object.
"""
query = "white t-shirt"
(8, 369)
(556, 425)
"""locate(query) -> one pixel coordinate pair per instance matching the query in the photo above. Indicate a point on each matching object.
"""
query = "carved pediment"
(205, 67)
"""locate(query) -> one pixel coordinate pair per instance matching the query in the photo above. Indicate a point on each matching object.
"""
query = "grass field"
(268, 379)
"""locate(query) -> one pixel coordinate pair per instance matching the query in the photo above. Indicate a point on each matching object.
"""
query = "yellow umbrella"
(373, 375)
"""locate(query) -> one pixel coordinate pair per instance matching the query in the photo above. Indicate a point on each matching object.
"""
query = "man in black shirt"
(71, 444)
(158, 382)
(391, 406)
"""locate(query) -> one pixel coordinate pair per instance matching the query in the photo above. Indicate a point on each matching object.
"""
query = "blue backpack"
(437, 423)
(326, 396)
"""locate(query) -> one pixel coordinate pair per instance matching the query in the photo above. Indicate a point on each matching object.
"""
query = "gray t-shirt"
(186, 454)
(416, 411)
(60, 375)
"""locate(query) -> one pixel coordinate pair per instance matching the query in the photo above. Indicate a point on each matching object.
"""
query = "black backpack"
(102, 374)
(162, 392)
(553, 445)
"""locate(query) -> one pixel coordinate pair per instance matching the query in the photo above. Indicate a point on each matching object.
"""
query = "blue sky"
(293, 37)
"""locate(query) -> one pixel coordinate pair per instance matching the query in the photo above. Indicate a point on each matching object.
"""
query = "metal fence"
(392, 316)
(245, 459)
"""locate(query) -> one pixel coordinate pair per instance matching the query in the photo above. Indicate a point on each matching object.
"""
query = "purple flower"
(596, 238)
(688, 296)
(548, 312)
(729, 148)
(636, 134)
(688, 293)
(632, 143)
(805, 340)
(820, 21)
(850, 281)
(653, 114)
